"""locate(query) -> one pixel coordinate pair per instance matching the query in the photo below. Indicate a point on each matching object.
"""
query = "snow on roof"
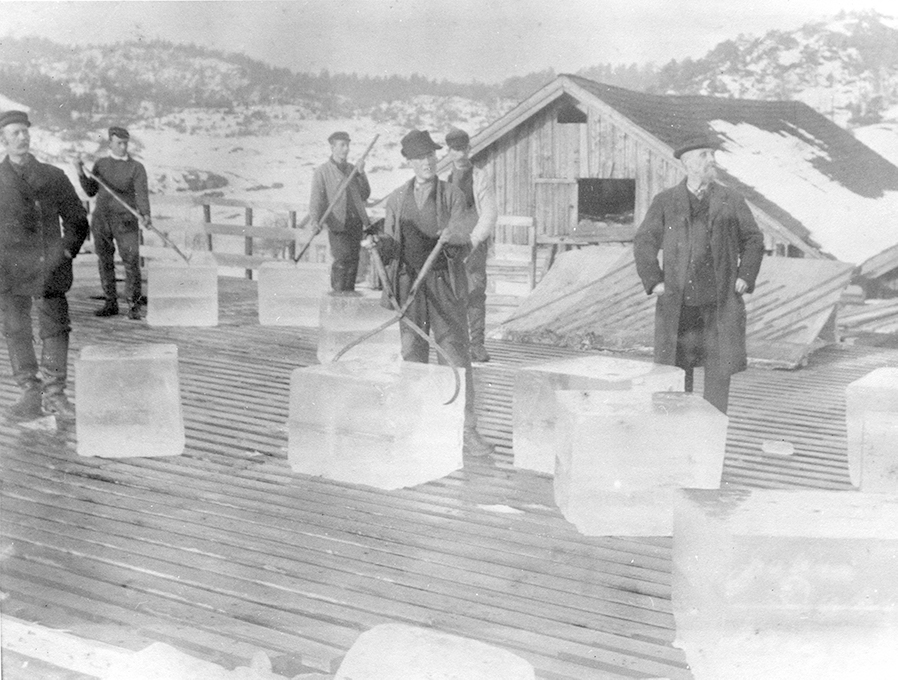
(786, 169)
(7, 104)
(882, 138)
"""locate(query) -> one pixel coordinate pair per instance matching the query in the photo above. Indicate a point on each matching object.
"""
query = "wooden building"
(584, 160)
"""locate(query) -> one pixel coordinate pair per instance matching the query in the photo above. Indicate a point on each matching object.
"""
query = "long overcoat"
(737, 247)
(325, 182)
(35, 251)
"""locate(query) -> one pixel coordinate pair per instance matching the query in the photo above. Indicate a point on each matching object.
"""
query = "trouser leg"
(127, 238)
(475, 266)
(53, 316)
(717, 388)
(345, 246)
(104, 246)
(16, 311)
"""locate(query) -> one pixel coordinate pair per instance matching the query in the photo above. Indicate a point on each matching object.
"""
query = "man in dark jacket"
(348, 219)
(712, 251)
(36, 263)
(113, 224)
(420, 214)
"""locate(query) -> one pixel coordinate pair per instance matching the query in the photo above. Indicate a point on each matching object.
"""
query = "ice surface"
(786, 584)
(394, 651)
(346, 317)
(620, 460)
(872, 425)
(534, 412)
(380, 424)
(182, 294)
(129, 402)
(290, 294)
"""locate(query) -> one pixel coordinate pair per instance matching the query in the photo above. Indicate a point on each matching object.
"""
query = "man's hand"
(360, 166)
(741, 286)
(369, 242)
(658, 289)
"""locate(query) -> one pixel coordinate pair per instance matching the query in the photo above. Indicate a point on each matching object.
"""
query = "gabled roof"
(810, 175)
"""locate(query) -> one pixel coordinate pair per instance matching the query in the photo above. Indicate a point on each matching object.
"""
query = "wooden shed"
(584, 160)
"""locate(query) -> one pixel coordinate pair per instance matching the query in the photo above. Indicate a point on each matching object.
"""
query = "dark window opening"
(569, 113)
(606, 200)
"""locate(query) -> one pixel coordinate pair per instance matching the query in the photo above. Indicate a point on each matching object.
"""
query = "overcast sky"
(463, 40)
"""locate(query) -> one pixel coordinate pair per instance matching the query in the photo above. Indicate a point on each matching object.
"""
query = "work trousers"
(439, 310)
(698, 345)
(475, 266)
(53, 327)
(109, 232)
(345, 247)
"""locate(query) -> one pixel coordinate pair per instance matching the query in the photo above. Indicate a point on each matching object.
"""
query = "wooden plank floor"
(223, 551)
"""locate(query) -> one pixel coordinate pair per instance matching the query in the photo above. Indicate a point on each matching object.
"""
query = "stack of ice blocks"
(181, 293)
(872, 422)
(621, 461)
(290, 294)
(797, 585)
(347, 316)
(534, 411)
(384, 425)
(129, 402)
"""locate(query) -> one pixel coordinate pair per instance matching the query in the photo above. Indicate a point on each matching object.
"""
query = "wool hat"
(339, 135)
(697, 143)
(10, 117)
(119, 132)
(418, 144)
(457, 139)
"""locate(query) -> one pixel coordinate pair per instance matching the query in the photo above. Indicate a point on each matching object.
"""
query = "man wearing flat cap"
(712, 250)
(476, 183)
(36, 267)
(420, 214)
(348, 218)
(112, 224)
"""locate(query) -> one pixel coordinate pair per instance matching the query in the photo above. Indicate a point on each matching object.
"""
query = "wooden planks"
(223, 551)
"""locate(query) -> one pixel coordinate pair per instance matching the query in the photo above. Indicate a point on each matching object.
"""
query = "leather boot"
(24, 370)
(475, 445)
(134, 310)
(109, 308)
(54, 366)
(479, 354)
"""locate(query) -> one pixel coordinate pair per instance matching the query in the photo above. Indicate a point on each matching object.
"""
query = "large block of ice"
(290, 294)
(345, 317)
(129, 401)
(394, 651)
(534, 411)
(786, 584)
(620, 460)
(872, 424)
(181, 293)
(384, 425)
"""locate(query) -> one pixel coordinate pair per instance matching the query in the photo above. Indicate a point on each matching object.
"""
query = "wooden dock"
(223, 551)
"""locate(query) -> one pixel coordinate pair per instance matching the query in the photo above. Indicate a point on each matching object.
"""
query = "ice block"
(620, 460)
(290, 294)
(786, 584)
(872, 424)
(129, 402)
(181, 293)
(380, 424)
(534, 411)
(347, 316)
(395, 651)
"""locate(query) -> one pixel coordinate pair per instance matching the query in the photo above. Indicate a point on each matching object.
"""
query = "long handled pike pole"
(341, 189)
(140, 218)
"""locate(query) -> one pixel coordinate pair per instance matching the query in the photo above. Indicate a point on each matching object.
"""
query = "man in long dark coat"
(36, 265)
(712, 250)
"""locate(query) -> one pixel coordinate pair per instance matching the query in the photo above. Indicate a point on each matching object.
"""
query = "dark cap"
(457, 139)
(338, 135)
(697, 143)
(418, 144)
(10, 117)
(119, 132)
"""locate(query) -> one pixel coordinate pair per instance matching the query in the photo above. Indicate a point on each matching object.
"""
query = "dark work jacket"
(33, 246)
(737, 247)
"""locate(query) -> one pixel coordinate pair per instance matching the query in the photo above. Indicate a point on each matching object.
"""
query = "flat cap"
(339, 135)
(418, 144)
(457, 139)
(697, 143)
(119, 132)
(10, 117)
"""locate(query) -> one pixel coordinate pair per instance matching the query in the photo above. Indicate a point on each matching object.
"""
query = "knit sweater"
(127, 178)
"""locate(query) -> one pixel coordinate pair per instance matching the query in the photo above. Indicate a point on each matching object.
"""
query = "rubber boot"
(54, 366)
(24, 370)
(134, 309)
